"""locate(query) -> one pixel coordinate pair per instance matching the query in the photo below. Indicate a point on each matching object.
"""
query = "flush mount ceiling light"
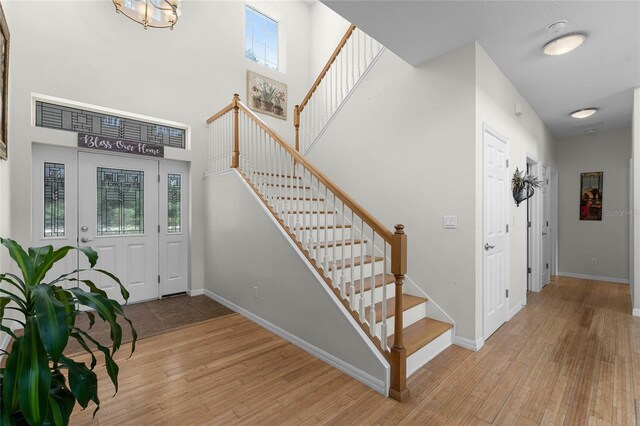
(584, 113)
(150, 13)
(564, 44)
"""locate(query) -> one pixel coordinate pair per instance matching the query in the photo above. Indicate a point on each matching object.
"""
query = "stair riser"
(299, 205)
(287, 192)
(377, 294)
(340, 233)
(278, 180)
(410, 316)
(356, 249)
(357, 271)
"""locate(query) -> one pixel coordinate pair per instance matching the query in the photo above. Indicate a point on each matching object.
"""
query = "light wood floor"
(572, 356)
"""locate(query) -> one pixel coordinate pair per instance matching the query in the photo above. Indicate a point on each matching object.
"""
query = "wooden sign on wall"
(118, 145)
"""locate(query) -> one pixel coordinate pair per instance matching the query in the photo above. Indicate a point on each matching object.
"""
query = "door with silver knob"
(118, 217)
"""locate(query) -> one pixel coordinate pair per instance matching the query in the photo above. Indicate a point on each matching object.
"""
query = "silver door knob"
(84, 228)
(84, 240)
(488, 247)
(544, 234)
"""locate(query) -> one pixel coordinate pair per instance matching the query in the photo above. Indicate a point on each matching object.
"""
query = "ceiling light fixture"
(584, 113)
(564, 44)
(150, 13)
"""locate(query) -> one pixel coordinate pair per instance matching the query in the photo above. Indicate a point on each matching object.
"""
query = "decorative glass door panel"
(120, 206)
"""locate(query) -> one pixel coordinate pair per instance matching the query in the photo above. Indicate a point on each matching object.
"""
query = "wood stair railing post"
(398, 389)
(235, 160)
(296, 124)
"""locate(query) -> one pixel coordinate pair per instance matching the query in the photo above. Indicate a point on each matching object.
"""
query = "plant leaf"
(38, 254)
(21, 258)
(9, 379)
(112, 367)
(51, 316)
(67, 301)
(84, 345)
(123, 291)
(104, 309)
(92, 287)
(34, 376)
(82, 381)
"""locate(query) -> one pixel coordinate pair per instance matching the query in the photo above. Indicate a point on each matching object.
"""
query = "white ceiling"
(601, 73)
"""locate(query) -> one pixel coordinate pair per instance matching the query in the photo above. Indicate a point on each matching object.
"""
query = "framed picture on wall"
(591, 185)
(4, 84)
(266, 95)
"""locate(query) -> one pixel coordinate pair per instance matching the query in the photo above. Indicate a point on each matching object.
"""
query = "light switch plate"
(450, 222)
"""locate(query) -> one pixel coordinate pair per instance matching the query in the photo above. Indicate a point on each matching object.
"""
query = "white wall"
(403, 147)
(527, 136)
(327, 29)
(84, 51)
(608, 240)
(248, 250)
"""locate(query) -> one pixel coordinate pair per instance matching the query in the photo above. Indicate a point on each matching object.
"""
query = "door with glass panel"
(118, 217)
(174, 227)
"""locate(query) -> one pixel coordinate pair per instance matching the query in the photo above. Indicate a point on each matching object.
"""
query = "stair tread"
(311, 211)
(322, 227)
(408, 302)
(337, 244)
(300, 198)
(288, 186)
(356, 261)
(279, 175)
(380, 278)
(421, 333)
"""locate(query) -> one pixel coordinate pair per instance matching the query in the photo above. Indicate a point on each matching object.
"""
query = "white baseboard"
(636, 312)
(196, 292)
(593, 277)
(373, 382)
(468, 343)
(517, 308)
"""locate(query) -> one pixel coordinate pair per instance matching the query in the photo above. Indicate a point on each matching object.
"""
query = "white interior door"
(54, 203)
(118, 217)
(174, 227)
(546, 225)
(495, 247)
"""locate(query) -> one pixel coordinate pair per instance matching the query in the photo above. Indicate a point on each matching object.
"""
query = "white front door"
(495, 246)
(118, 217)
(546, 225)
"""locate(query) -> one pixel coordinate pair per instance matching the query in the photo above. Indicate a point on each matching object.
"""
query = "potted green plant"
(523, 186)
(33, 383)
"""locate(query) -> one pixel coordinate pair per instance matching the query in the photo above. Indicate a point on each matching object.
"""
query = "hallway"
(572, 356)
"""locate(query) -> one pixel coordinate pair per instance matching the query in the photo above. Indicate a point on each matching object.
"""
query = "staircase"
(359, 259)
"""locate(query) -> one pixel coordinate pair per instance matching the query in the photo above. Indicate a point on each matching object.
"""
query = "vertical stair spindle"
(362, 300)
(372, 316)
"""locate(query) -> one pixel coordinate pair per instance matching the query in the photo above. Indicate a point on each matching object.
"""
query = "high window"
(261, 38)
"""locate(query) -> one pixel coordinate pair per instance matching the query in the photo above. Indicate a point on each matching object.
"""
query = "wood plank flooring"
(572, 357)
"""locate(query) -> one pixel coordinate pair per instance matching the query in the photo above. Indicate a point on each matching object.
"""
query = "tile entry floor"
(155, 317)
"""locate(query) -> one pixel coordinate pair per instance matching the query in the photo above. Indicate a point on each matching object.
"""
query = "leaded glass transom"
(174, 193)
(120, 202)
(54, 200)
(61, 117)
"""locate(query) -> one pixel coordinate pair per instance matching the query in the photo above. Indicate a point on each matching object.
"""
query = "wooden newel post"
(235, 160)
(398, 389)
(296, 124)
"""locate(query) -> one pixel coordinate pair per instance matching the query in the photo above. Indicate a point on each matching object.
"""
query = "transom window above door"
(261, 38)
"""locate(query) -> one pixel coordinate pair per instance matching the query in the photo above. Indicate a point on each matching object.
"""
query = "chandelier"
(150, 13)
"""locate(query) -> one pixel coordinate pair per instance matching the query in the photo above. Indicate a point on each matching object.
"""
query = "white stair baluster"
(352, 283)
(361, 280)
(383, 334)
(343, 281)
(372, 319)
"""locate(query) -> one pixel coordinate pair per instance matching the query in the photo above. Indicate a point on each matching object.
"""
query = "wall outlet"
(594, 260)
(256, 292)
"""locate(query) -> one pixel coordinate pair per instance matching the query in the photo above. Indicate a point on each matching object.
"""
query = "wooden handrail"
(299, 159)
(324, 71)
(220, 113)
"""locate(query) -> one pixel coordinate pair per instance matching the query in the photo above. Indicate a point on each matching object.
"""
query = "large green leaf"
(59, 254)
(105, 310)
(86, 348)
(112, 367)
(34, 376)
(21, 303)
(17, 283)
(21, 258)
(37, 255)
(92, 287)
(10, 379)
(123, 291)
(119, 311)
(61, 402)
(4, 301)
(68, 302)
(52, 320)
(82, 381)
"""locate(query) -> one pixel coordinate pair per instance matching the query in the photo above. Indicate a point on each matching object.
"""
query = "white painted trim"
(517, 308)
(323, 285)
(593, 277)
(104, 110)
(344, 101)
(636, 313)
(468, 343)
(425, 354)
(196, 292)
(346, 368)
